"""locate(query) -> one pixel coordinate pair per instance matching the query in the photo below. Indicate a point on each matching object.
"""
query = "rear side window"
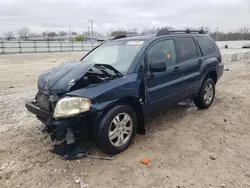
(185, 49)
(206, 45)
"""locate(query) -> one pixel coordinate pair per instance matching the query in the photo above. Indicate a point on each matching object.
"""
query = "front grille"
(43, 101)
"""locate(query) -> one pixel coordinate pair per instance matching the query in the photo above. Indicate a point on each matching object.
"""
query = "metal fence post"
(20, 46)
(82, 46)
(2, 46)
(35, 45)
(72, 45)
(48, 46)
(92, 44)
(61, 46)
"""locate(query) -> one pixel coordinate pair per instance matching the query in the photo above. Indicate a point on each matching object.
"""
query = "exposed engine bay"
(96, 75)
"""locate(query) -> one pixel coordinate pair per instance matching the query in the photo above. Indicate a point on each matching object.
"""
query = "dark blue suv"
(109, 94)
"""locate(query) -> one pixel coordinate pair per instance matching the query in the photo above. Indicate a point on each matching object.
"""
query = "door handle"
(176, 69)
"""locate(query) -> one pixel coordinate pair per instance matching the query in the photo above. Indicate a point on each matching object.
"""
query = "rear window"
(206, 45)
(185, 49)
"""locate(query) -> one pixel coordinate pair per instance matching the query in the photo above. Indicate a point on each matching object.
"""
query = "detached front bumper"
(43, 115)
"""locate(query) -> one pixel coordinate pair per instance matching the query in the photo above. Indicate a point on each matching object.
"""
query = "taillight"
(220, 59)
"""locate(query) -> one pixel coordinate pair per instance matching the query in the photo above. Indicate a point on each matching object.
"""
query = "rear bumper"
(41, 114)
(220, 70)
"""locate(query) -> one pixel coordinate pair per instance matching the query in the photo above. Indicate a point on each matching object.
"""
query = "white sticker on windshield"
(135, 42)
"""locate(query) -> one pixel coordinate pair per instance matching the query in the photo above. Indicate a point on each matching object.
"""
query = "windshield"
(118, 54)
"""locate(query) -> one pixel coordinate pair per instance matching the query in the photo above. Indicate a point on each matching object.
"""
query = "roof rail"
(187, 31)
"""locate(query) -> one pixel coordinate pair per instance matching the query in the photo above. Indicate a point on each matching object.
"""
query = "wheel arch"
(131, 101)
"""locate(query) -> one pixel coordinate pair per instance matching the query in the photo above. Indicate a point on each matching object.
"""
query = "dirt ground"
(186, 147)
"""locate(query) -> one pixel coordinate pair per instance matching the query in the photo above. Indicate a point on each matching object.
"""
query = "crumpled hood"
(58, 79)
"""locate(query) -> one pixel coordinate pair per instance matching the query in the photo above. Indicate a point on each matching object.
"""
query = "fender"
(206, 67)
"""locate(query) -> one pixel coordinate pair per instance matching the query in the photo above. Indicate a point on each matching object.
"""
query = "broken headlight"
(70, 106)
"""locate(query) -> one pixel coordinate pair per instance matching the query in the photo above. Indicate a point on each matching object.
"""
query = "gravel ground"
(186, 147)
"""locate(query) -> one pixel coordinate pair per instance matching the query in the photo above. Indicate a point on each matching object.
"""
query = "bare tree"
(154, 30)
(24, 33)
(33, 35)
(51, 34)
(118, 32)
(73, 33)
(9, 35)
(205, 28)
(44, 34)
(62, 33)
(244, 31)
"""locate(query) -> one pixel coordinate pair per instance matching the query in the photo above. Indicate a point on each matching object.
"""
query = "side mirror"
(157, 66)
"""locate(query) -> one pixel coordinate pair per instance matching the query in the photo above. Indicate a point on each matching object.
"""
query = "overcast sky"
(55, 15)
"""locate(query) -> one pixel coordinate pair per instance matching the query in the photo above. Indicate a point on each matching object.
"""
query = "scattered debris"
(83, 184)
(4, 166)
(100, 157)
(232, 123)
(223, 141)
(123, 169)
(226, 69)
(179, 186)
(225, 120)
(11, 86)
(213, 157)
(77, 181)
(223, 185)
(145, 161)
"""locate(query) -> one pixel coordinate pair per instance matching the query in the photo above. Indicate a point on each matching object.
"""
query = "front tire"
(206, 95)
(119, 129)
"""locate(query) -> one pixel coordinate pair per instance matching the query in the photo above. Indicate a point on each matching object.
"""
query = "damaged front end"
(62, 113)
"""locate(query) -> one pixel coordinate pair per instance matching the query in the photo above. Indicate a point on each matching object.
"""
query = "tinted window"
(206, 45)
(185, 49)
(162, 51)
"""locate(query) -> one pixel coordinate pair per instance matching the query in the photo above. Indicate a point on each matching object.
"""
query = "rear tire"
(119, 129)
(206, 95)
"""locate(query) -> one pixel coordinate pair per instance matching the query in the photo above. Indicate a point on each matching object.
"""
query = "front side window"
(185, 49)
(163, 50)
(119, 54)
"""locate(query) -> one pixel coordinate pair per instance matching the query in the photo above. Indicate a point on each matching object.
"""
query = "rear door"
(189, 60)
(162, 88)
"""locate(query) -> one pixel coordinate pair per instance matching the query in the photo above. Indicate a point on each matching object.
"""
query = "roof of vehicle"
(164, 33)
(137, 37)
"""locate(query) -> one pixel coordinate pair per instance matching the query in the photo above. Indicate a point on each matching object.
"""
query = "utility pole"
(88, 32)
(69, 40)
(92, 29)
(217, 33)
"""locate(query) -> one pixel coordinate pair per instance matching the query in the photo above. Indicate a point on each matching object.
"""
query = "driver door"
(163, 88)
